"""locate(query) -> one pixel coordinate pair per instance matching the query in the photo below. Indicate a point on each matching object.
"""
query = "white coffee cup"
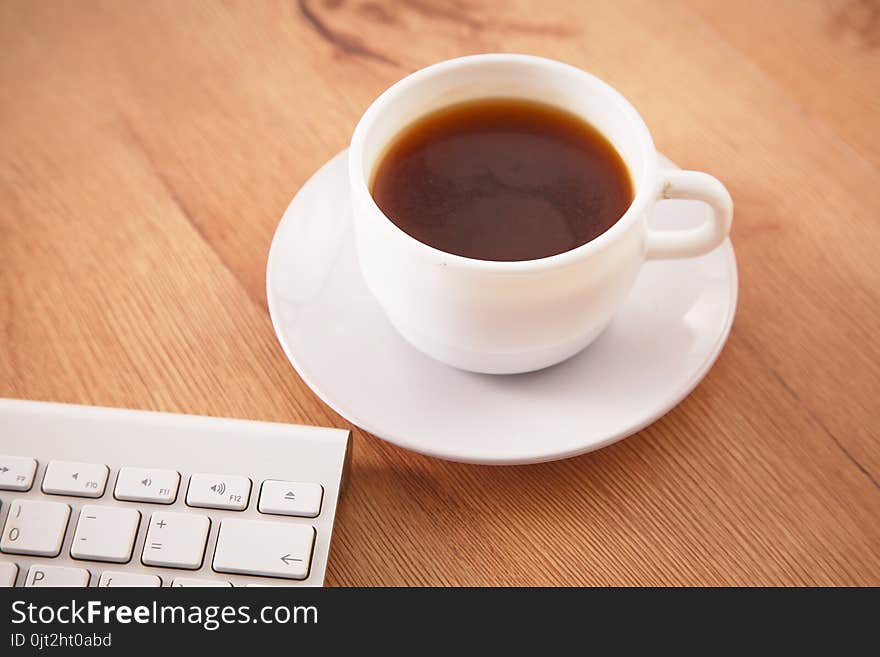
(507, 317)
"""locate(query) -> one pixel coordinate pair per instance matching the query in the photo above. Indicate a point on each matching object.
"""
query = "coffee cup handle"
(689, 242)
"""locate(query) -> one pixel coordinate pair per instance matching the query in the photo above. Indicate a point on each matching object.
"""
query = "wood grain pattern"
(149, 149)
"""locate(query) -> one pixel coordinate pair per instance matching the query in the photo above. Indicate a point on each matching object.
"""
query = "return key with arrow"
(269, 549)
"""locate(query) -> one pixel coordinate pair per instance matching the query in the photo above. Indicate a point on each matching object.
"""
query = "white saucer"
(660, 345)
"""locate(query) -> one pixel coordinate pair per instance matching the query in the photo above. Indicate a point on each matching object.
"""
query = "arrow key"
(268, 549)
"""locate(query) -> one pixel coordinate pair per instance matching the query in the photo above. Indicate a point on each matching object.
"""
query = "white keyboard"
(108, 497)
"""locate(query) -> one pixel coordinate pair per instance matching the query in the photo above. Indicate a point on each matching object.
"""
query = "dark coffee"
(502, 179)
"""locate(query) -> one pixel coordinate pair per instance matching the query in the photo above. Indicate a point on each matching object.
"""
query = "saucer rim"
(520, 459)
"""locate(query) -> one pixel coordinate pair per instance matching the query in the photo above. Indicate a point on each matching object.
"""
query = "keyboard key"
(176, 540)
(35, 527)
(56, 576)
(212, 491)
(8, 573)
(105, 533)
(192, 582)
(290, 498)
(270, 549)
(147, 485)
(17, 473)
(75, 479)
(111, 578)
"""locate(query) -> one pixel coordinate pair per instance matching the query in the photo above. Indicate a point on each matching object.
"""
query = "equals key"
(176, 540)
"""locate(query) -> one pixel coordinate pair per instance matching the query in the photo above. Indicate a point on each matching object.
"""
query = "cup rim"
(645, 191)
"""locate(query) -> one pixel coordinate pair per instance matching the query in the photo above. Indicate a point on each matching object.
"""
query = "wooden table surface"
(150, 148)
